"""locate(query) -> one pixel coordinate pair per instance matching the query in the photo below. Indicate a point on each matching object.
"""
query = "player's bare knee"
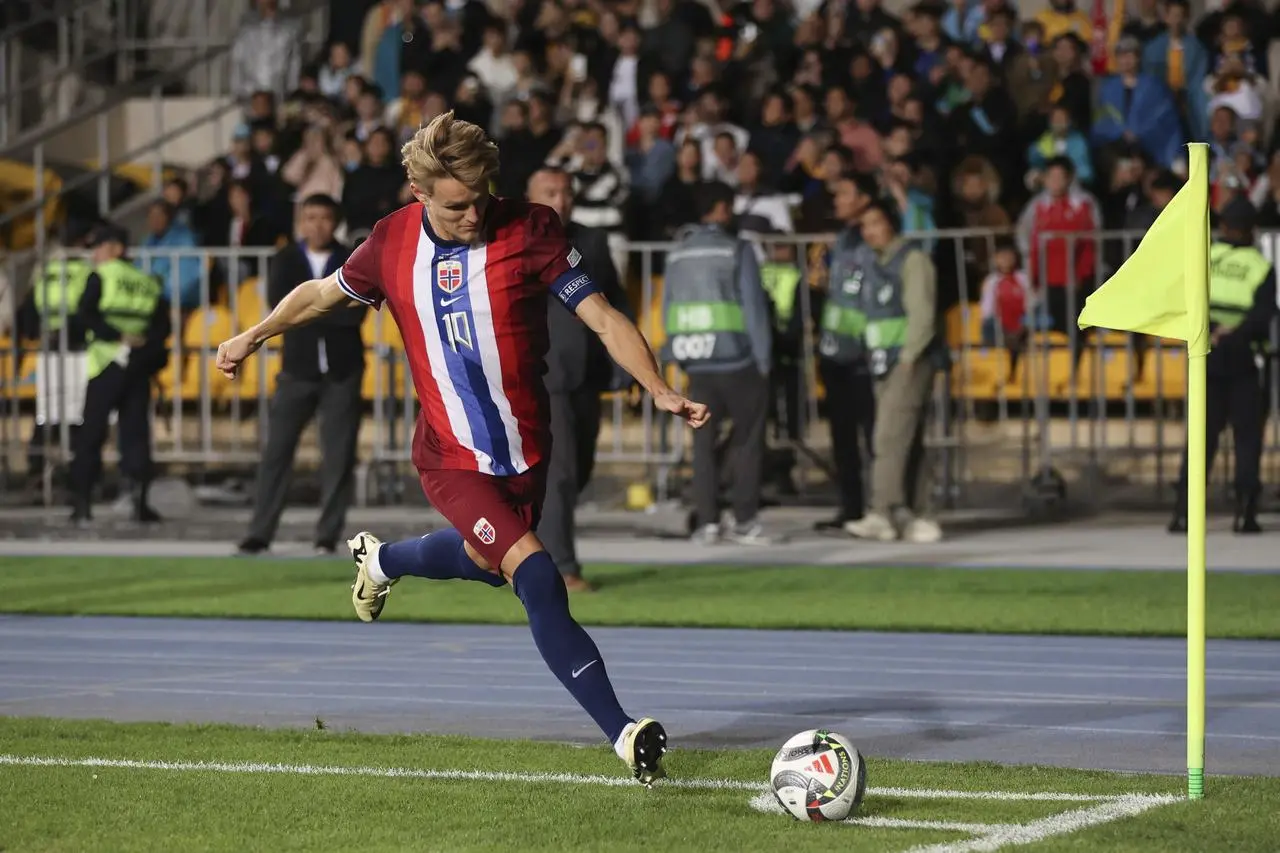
(526, 546)
(475, 557)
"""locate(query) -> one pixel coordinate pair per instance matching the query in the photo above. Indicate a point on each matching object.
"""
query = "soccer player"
(466, 277)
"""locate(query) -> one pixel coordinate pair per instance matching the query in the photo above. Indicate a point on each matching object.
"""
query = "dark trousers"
(784, 393)
(1235, 400)
(45, 441)
(296, 402)
(126, 392)
(575, 430)
(1065, 308)
(851, 412)
(741, 396)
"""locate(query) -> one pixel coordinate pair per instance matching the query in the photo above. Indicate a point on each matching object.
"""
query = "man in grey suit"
(578, 371)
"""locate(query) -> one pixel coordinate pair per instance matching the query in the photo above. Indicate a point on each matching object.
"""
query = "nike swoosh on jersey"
(445, 303)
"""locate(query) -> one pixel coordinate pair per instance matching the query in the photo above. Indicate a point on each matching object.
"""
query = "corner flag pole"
(1197, 284)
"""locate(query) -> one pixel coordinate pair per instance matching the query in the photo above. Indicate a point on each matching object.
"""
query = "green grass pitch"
(154, 787)
(1129, 603)
(89, 785)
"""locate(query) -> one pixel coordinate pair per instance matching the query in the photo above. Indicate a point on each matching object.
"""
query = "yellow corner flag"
(1163, 289)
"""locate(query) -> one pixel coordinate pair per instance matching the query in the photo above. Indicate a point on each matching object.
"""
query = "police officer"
(717, 325)
(899, 299)
(55, 296)
(1242, 300)
(126, 322)
(841, 355)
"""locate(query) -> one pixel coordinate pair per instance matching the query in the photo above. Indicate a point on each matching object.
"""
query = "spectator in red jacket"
(1064, 267)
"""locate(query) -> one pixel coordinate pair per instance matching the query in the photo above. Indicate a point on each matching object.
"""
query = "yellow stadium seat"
(964, 324)
(1164, 374)
(369, 385)
(1042, 371)
(205, 329)
(166, 381)
(251, 307)
(17, 188)
(388, 336)
(1112, 381)
(1114, 339)
(18, 382)
(384, 378)
(142, 174)
(652, 323)
(250, 382)
(984, 374)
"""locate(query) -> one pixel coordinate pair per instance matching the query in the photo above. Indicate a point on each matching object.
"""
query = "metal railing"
(38, 87)
(31, 146)
(99, 45)
(1105, 416)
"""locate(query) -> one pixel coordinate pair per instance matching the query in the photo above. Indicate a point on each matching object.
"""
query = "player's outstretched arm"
(305, 304)
(629, 348)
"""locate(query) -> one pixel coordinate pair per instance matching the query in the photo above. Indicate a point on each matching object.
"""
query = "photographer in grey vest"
(842, 361)
(899, 300)
(717, 325)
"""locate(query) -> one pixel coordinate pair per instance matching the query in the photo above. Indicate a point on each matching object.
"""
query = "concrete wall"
(134, 124)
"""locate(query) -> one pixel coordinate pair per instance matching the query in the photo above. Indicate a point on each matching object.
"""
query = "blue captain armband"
(573, 286)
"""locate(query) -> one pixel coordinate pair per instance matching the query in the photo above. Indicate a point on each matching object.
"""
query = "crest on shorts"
(449, 275)
(484, 531)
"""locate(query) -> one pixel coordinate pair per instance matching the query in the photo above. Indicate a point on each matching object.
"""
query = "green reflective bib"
(780, 282)
(843, 321)
(703, 307)
(62, 284)
(129, 298)
(692, 317)
(886, 330)
(1235, 274)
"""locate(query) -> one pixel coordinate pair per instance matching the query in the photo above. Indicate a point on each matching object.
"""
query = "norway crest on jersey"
(484, 531)
(449, 275)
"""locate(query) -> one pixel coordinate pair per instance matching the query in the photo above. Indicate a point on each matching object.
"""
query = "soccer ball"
(818, 775)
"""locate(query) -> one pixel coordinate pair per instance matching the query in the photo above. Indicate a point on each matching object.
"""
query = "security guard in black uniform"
(1242, 301)
(126, 322)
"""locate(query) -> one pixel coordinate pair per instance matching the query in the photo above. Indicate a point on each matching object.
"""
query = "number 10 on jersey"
(458, 330)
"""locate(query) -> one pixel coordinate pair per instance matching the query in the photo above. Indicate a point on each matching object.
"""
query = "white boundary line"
(1129, 805)
(496, 776)
(767, 802)
(995, 836)
(988, 837)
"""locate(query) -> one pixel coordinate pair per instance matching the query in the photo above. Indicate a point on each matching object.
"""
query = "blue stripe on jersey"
(466, 370)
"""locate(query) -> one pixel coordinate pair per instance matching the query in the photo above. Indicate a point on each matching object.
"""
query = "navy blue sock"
(568, 650)
(439, 556)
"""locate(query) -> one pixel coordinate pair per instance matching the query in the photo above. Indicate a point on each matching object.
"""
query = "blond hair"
(450, 148)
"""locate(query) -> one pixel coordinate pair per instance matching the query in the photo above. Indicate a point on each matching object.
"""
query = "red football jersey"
(473, 318)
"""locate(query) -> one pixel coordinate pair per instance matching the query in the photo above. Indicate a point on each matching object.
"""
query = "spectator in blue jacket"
(1059, 140)
(178, 271)
(1137, 108)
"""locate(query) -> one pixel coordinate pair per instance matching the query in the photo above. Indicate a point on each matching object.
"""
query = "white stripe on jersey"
(424, 304)
(487, 342)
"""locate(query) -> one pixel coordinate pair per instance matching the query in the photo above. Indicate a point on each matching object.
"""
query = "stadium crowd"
(965, 115)
(1031, 133)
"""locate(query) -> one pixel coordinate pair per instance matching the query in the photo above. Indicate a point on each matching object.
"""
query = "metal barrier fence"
(1097, 411)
